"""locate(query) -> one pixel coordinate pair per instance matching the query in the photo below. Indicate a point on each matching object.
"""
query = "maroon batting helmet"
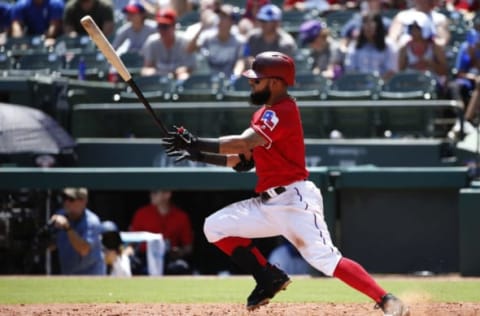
(272, 65)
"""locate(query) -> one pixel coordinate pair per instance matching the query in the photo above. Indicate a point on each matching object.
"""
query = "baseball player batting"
(287, 204)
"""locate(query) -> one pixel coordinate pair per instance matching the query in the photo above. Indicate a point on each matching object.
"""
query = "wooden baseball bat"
(107, 50)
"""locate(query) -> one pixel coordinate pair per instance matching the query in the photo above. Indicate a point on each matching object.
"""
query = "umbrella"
(27, 130)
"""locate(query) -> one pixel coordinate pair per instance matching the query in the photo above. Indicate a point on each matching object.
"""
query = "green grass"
(28, 290)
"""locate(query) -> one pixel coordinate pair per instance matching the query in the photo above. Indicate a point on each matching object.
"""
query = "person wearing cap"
(222, 47)
(162, 216)
(165, 52)
(324, 50)
(371, 52)
(117, 257)
(288, 204)
(421, 52)
(270, 36)
(398, 31)
(37, 17)
(79, 241)
(100, 10)
(132, 35)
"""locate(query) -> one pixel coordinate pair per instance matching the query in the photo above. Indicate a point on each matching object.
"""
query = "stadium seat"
(355, 86)
(78, 44)
(310, 87)
(335, 20)
(5, 61)
(133, 61)
(18, 46)
(201, 64)
(40, 61)
(291, 21)
(410, 85)
(239, 90)
(188, 19)
(200, 87)
(88, 91)
(155, 88)
(303, 63)
(95, 62)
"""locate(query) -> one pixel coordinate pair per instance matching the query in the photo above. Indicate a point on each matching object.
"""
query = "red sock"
(355, 275)
(229, 244)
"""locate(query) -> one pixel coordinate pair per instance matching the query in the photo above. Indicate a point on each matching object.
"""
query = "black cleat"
(275, 280)
(392, 306)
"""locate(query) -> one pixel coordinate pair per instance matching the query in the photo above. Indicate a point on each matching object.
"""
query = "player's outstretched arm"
(240, 163)
(180, 139)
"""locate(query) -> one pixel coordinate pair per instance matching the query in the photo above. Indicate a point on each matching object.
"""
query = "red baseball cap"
(166, 16)
(134, 6)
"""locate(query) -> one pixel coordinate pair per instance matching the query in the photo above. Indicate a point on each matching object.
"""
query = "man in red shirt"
(288, 204)
(161, 216)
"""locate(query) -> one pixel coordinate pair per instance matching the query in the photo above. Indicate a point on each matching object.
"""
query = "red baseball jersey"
(174, 226)
(282, 160)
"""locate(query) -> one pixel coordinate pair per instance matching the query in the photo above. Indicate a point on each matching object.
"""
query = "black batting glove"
(245, 164)
(192, 155)
(180, 139)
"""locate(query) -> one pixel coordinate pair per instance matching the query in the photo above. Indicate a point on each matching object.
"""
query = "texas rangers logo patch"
(270, 119)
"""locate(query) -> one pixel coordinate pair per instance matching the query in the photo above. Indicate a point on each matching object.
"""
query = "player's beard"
(260, 97)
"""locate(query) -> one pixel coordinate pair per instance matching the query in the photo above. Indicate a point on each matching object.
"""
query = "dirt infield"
(273, 309)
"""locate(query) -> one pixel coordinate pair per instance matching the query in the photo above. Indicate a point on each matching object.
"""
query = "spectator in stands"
(131, 36)
(371, 53)
(252, 7)
(306, 5)
(398, 34)
(421, 52)
(161, 216)
(37, 17)
(351, 29)
(165, 52)
(324, 50)
(248, 20)
(222, 47)
(100, 10)
(463, 6)
(117, 257)
(270, 36)
(469, 71)
(5, 21)
(208, 18)
(78, 241)
(180, 6)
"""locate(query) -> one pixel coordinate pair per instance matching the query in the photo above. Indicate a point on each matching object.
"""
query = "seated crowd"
(327, 37)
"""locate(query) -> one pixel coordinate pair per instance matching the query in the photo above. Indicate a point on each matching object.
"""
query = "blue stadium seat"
(5, 61)
(154, 88)
(239, 90)
(95, 63)
(200, 87)
(310, 87)
(355, 86)
(410, 85)
(40, 61)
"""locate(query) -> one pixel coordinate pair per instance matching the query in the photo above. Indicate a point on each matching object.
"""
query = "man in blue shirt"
(37, 17)
(78, 242)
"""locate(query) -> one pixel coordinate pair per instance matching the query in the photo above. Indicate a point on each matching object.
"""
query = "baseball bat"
(107, 50)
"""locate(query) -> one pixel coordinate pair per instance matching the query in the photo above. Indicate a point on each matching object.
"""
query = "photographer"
(78, 240)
